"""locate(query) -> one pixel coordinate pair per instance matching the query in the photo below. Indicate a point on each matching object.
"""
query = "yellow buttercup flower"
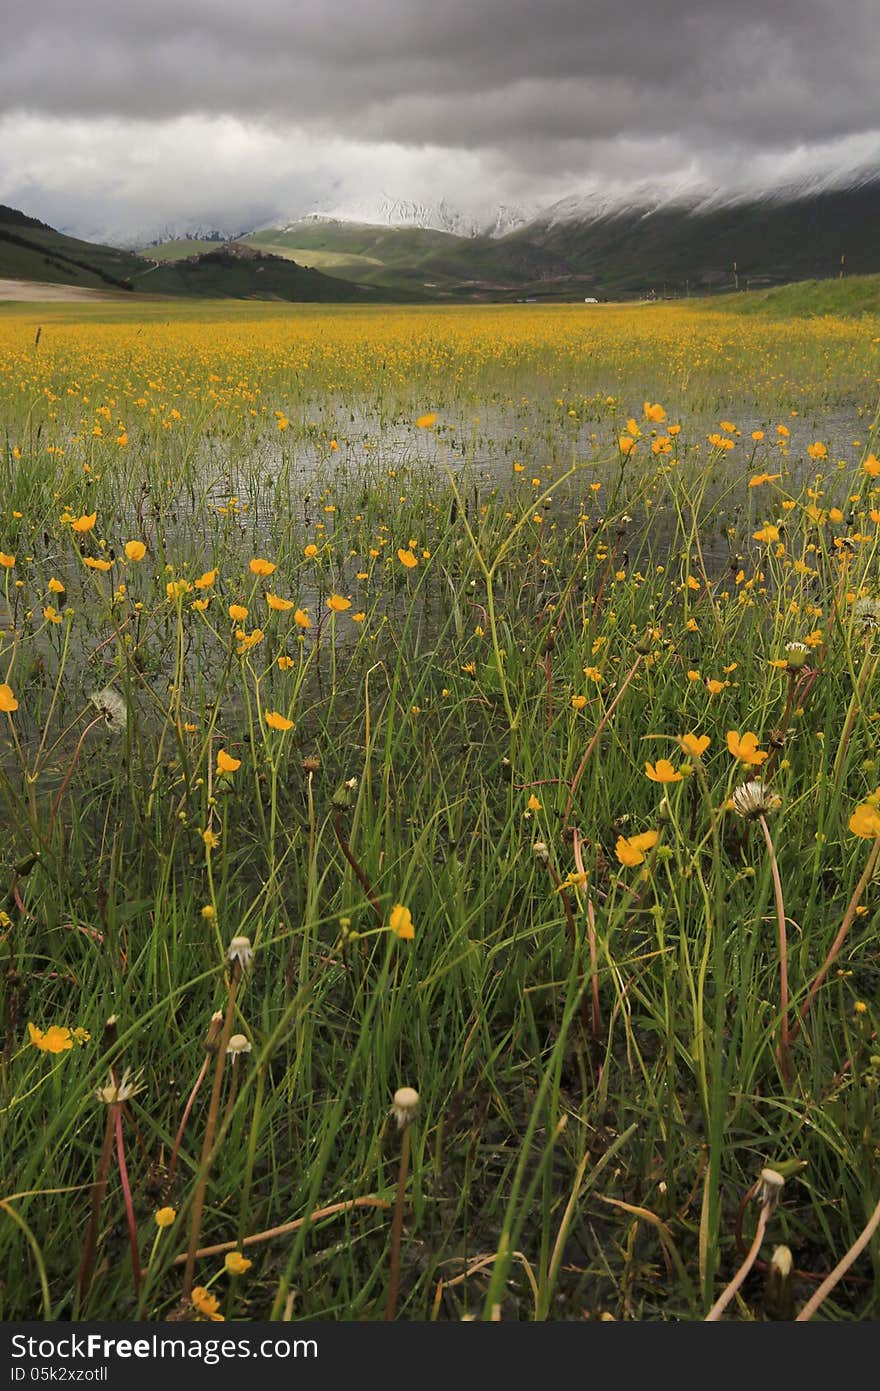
(745, 748)
(54, 1040)
(135, 550)
(401, 923)
(865, 821)
(258, 566)
(337, 604)
(277, 604)
(662, 771)
(236, 1264)
(84, 523)
(207, 1304)
(8, 703)
(631, 850)
(694, 744)
(425, 422)
(226, 763)
(277, 721)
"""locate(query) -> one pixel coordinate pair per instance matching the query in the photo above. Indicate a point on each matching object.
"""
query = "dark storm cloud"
(542, 77)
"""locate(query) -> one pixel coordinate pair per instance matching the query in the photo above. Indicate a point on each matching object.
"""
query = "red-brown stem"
(575, 782)
(548, 679)
(129, 1205)
(609, 566)
(848, 919)
(591, 938)
(178, 1139)
(396, 1228)
(783, 952)
(208, 1142)
(69, 774)
(286, 1228)
(84, 1274)
(840, 1269)
(728, 1293)
(362, 878)
(562, 890)
(230, 1100)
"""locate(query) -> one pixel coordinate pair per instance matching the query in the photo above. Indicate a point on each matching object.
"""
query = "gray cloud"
(543, 94)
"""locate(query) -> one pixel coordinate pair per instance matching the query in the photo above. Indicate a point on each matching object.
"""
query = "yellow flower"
(655, 413)
(286, 663)
(713, 686)
(872, 466)
(211, 839)
(533, 804)
(745, 748)
(592, 673)
(226, 763)
(694, 744)
(102, 565)
(54, 1040)
(206, 580)
(425, 422)
(630, 851)
(164, 1216)
(767, 534)
(310, 551)
(407, 558)
(7, 561)
(578, 702)
(238, 613)
(865, 821)
(135, 550)
(175, 589)
(200, 604)
(236, 1264)
(662, 771)
(258, 566)
(277, 604)
(8, 703)
(51, 614)
(276, 721)
(401, 923)
(358, 617)
(337, 604)
(55, 587)
(85, 522)
(817, 450)
(206, 1304)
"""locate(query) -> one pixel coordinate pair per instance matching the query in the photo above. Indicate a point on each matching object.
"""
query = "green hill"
(424, 262)
(31, 250)
(246, 272)
(849, 298)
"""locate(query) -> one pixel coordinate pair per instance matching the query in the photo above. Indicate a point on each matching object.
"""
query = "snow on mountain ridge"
(442, 216)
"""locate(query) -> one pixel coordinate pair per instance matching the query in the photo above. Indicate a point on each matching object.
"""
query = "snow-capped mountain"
(695, 197)
(389, 211)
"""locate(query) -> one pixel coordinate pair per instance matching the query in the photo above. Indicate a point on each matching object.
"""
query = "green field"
(506, 678)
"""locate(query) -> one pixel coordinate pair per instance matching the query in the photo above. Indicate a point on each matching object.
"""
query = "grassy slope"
(420, 259)
(29, 250)
(849, 298)
(219, 273)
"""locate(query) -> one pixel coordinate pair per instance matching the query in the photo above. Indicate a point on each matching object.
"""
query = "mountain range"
(654, 240)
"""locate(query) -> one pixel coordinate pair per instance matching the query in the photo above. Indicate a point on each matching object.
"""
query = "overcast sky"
(122, 118)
